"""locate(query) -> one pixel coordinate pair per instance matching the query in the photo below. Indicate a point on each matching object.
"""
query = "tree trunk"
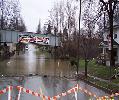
(112, 63)
(86, 64)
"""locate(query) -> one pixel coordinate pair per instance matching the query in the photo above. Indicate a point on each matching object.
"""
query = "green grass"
(116, 81)
(98, 70)
(103, 84)
(81, 64)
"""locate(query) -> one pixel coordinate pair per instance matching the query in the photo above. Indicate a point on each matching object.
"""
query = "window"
(115, 36)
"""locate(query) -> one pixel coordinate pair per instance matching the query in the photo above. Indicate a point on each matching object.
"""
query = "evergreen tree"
(39, 28)
(10, 15)
(49, 29)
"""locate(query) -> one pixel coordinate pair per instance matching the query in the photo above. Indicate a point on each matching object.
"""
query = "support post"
(19, 94)
(9, 93)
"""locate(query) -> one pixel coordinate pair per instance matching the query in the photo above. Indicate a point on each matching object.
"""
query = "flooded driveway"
(33, 63)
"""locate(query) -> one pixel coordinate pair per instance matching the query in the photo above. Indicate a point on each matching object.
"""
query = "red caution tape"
(5, 90)
(33, 93)
(28, 91)
(109, 97)
(72, 90)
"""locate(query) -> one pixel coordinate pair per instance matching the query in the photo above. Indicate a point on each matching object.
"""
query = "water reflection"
(30, 62)
(30, 59)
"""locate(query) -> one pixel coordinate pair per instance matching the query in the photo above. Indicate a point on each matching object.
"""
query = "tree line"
(82, 32)
(64, 20)
(10, 17)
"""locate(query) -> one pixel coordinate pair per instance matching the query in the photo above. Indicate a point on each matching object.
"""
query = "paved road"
(50, 86)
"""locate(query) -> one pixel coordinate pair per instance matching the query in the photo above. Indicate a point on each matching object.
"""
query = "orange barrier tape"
(87, 92)
(75, 89)
(109, 97)
(28, 91)
(5, 90)
(72, 90)
(9, 92)
(33, 93)
(46, 97)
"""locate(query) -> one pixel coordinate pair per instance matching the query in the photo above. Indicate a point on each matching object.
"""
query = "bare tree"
(21, 25)
(116, 13)
(5, 13)
(54, 16)
(10, 14)
(88, 39)
(63, 17)
(70, 10)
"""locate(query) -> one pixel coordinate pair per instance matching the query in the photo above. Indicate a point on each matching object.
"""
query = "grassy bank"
(102, 72)
(97, 70)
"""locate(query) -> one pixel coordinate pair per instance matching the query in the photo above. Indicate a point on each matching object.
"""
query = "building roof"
(115, 25)
(115, 43)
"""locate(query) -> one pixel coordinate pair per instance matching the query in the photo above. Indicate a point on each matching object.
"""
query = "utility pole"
(2, 22)
(1, 19)
(112, 62)
(78, 37)
(110, 14)
(104, 21)
(55, 30)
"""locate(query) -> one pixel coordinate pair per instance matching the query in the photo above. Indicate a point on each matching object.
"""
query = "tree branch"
(115, 4)
(104, 3)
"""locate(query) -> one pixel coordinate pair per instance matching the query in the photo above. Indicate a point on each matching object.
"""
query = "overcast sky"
(33, 10)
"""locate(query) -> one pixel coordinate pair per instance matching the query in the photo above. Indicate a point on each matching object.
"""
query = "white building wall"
(105, 36)
(117, 55)
(116, 31)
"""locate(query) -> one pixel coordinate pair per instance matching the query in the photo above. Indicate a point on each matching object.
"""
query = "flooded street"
(32, 63)
(36, 64)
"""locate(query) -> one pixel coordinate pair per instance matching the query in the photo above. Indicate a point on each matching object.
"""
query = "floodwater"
(52, 85)
(36, 64)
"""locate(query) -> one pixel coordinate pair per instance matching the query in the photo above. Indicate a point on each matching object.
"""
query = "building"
(106, 44)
